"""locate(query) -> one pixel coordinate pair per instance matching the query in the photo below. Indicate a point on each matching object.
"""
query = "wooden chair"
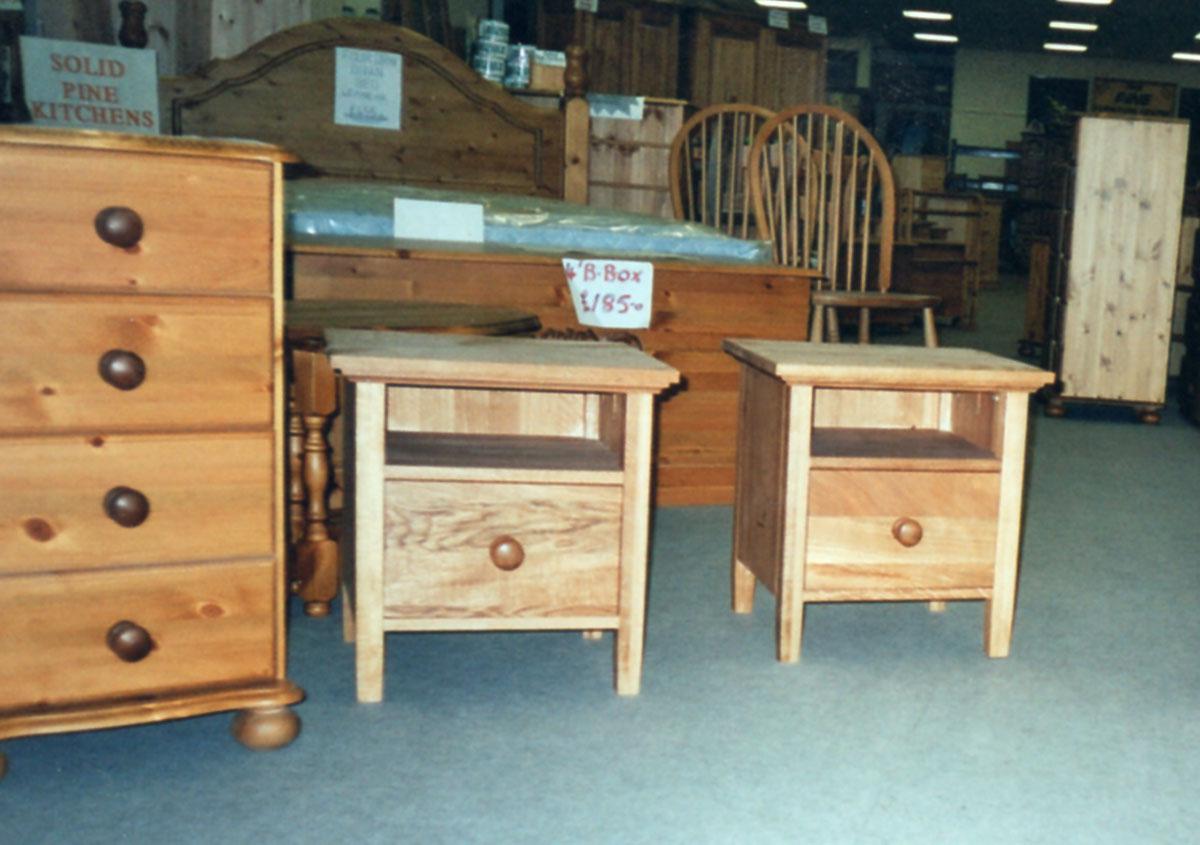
(823, 194)
(708, 167)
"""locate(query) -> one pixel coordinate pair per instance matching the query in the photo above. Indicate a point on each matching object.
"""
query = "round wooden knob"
(122, 369)
(120, 226)
(126, 507)
(907, 531)
(129, 641)
(506, 553)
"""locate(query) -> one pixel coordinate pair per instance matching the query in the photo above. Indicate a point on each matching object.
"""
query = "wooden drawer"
(206, 223)
(437, 562)
(208, 362)
(209, 496)
(209, 624)
(852, 513)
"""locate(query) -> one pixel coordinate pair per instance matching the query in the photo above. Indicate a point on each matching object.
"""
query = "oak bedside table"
(879, 473)
(497, 484)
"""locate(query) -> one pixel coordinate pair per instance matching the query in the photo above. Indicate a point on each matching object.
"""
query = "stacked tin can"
(519, 66)
(490, 56)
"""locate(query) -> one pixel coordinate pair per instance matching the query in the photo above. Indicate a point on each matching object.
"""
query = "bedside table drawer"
(197, 497)
(461, 549)
(201, 227)
(876, 529)
(206, 625)
(109, 363)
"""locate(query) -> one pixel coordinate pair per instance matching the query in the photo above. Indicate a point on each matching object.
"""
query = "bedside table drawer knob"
(126, 507)
(507, 553)
(129, 641)
(122, 369)
(907, 531)
(119, 226)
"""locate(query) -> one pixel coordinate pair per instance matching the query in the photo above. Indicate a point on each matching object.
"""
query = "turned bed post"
(577, 130)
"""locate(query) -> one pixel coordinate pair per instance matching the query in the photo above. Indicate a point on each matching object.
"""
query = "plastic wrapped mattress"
(329, 210)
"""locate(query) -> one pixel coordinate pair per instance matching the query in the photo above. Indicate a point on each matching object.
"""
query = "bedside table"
(498, 484)
(879, 473)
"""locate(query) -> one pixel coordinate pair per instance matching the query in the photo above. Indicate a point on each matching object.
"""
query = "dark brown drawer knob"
(122, 369)
(129, 641)
(907, 531)
(507, 553)
(126, 507)
(119, 226)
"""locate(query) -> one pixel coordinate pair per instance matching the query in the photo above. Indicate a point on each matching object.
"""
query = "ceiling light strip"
(938, 37)
(923, 15)
(1064, 48)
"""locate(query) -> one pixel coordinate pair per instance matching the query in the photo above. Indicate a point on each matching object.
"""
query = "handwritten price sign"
(611, 294)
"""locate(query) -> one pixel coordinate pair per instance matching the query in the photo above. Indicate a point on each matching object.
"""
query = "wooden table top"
(526, 363)
(882, 366)
(307, 319)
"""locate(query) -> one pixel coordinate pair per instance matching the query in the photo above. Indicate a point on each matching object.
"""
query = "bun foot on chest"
(265, 729)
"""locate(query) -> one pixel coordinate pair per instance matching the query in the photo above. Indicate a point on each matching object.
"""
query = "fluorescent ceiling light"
(936, 36)
(783, 4)
(1186, 57)
(1065, 48)
(920, 15)
(1089, 2)
(1077, 26)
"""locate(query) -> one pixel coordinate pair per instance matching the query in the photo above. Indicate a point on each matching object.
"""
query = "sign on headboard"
(90, 86)
(367, 88)
(1130, 97)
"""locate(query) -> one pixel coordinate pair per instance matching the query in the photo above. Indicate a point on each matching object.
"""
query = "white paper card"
(431, 220)
(818, 24)
(90, 86)
(367, 88)
(611, 294)
(777, 18)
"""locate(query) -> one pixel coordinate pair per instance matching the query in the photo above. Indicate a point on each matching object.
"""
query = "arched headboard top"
(457, 130)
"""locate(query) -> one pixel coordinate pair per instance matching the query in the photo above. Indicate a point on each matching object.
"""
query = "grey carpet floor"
(893, 728)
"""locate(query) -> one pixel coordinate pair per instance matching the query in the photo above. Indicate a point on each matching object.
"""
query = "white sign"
(90, 86)
(777, 18)
(432, 220)
(818, 25)
(587, 5)
(367, 88)
(611, 294)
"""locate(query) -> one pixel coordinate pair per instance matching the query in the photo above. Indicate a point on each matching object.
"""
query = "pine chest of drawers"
(140, 420)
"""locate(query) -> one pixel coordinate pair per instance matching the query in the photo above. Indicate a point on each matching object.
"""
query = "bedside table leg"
(629, 642)
(743, 583)
(1000, 608)
(369, 458)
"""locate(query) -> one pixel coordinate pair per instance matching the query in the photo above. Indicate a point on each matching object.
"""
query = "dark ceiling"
(1141, 30)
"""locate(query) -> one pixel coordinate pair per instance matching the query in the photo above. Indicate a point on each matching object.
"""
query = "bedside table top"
(882, 366)
(480, 361)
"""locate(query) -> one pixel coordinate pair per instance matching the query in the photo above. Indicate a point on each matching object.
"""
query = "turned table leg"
(316, 553)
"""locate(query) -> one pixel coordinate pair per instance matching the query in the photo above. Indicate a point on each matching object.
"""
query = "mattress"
(329, 210)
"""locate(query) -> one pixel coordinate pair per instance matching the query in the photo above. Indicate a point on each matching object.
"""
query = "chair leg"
(816, 331)
(831, 321)
(864, 325)
(931, 339)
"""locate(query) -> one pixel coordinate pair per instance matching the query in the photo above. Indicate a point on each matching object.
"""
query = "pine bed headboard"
(457, 129)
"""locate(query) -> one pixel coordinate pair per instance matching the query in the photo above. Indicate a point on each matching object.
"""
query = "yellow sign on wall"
(1130, 97)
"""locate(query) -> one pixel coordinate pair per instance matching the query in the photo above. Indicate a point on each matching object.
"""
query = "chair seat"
(872, 299)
